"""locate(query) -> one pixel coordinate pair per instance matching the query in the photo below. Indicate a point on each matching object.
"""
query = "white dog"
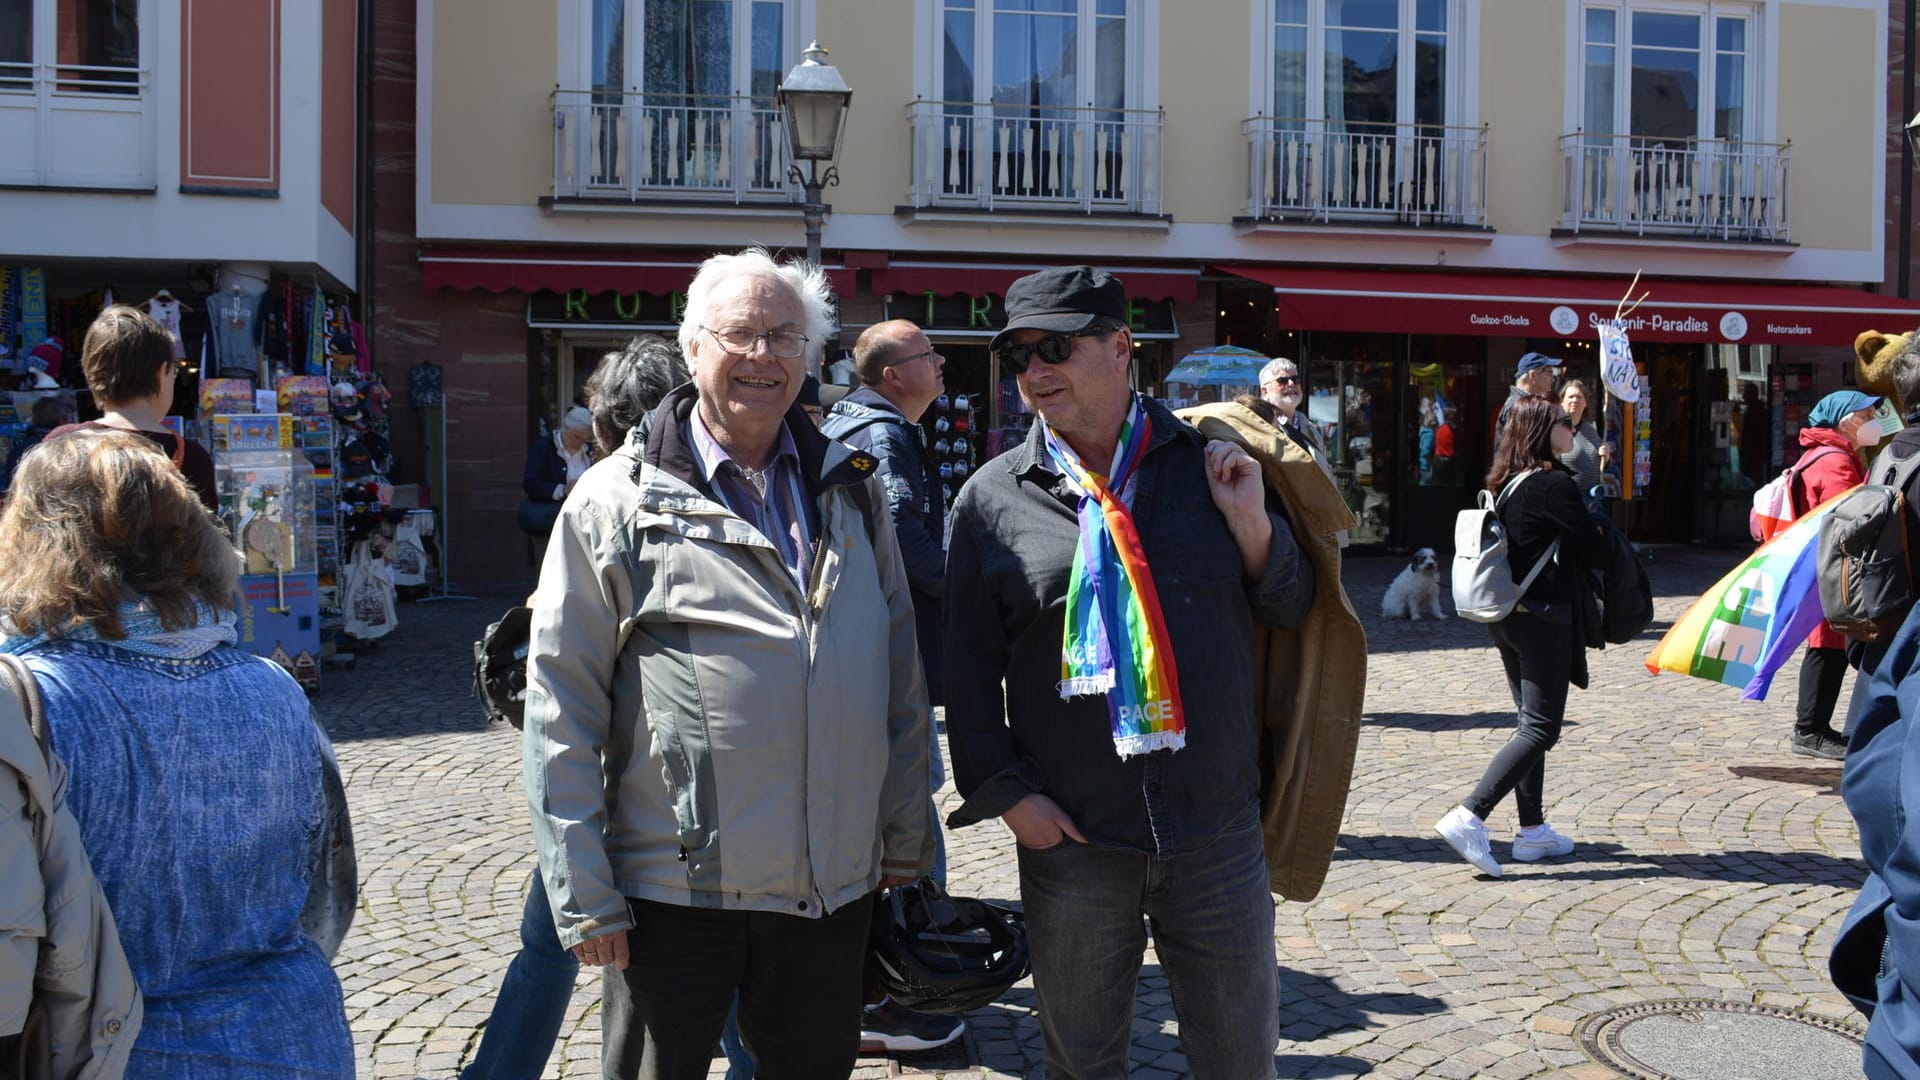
(1418, 585)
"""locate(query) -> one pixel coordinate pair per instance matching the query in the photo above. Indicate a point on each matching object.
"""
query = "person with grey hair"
(628, 385)
(1280, 386)
(724, 608)
(554, 464)
(519, 1034)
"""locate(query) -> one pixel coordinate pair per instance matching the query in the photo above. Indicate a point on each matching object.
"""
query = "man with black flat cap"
(1102, 583)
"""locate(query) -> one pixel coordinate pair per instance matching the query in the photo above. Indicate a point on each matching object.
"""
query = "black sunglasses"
(1054, 349)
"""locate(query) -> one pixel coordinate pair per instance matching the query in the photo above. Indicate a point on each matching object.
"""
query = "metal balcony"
(631, 146)
(1709, 189)
(985, 155)
(1367, 173)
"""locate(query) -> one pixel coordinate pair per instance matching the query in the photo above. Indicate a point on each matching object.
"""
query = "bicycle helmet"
(943, 954)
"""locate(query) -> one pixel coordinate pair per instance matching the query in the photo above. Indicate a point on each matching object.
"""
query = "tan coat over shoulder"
(58, 943)
(1310, 681)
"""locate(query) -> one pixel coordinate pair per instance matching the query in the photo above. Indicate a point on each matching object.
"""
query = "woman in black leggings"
(1541, 644)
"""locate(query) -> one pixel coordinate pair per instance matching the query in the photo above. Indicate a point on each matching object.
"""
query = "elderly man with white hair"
(726, 729)
(1280, 386)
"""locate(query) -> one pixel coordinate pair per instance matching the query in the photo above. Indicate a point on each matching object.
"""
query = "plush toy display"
(1873, 364)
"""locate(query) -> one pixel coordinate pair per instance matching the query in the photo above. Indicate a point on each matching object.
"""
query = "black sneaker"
(891, 1026)
(1820, 744)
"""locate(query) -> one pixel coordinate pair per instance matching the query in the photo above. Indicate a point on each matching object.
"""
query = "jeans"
(797, 980)
(1822, 672)
(1212, 922)
(533, 999)
(1538, 656)
(739, 1062)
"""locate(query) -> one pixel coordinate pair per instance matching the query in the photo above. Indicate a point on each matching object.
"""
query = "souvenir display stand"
(266, 487)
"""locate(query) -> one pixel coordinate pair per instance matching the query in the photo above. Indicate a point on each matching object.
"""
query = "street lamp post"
(813, 100)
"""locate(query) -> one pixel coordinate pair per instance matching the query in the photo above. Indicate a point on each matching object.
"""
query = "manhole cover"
(1692, 1039)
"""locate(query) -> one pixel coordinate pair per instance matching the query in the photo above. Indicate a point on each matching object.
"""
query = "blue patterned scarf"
(144, 635)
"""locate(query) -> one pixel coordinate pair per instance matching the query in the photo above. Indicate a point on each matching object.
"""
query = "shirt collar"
(709, 455)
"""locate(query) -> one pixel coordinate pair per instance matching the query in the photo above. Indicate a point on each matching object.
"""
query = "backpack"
(1483, 585)
(1626, 596)
(1866, 586)
(1774, 505)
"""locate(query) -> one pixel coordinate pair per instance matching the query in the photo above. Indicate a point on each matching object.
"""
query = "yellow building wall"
(493, 72)
(1522, 101)
(872, 44)
(1826, 109)
(1204, 76)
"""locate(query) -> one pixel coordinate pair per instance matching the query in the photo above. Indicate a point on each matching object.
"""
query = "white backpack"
(1483, 585)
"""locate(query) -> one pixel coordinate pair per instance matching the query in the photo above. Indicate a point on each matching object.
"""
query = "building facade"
(1402, 195)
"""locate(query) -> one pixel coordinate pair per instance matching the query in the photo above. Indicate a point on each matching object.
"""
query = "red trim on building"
(229, 95)
(1505, 305)
(338, 108)
(565, 271)
(976, 279)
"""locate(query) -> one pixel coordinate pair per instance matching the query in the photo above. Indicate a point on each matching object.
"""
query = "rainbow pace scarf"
(1116, 637)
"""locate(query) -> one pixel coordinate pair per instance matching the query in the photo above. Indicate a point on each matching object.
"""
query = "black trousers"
(1822, 671)
(798, 981)
(1538, 656)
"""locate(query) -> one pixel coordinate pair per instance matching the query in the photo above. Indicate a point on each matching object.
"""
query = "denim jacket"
(197, 786)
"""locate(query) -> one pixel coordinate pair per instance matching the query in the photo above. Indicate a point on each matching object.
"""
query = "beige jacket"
(58, 944)
(1310, 681)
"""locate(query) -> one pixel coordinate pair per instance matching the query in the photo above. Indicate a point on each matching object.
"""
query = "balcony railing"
(1703, 188)
(1393, 174)
(609, 144)
(986, 155)
(77, 125)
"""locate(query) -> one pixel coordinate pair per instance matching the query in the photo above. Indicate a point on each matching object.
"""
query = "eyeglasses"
(1285, 380)
(738, 340)
(1054, 349)
(928, 355)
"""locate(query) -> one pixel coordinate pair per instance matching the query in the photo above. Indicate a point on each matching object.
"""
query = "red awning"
(981, 279)
(564, 270)
(1509, 305)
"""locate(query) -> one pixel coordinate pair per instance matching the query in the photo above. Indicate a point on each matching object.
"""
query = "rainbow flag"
(1743, 629)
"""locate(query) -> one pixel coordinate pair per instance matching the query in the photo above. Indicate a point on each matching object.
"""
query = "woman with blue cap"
(1840, 426)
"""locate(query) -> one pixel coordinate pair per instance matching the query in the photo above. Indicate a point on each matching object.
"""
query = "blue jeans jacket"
(197, 787)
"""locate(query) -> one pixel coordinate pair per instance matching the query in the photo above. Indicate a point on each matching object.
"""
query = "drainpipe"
(1906, 154)
(363, 234)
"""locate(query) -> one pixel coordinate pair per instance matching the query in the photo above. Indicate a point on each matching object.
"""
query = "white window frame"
(1759, 106)
(1142, 59)
(1463, 50)
(575, 65)
(56, 113)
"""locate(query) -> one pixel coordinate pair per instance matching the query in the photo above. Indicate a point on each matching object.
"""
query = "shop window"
(74, 103)
(1352, 395)
(678, 95)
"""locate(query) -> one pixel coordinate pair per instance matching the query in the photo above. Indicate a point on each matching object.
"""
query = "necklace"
(756, 477)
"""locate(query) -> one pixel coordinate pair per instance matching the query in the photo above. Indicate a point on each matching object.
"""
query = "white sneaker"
(1468, 836)
(1546, 845)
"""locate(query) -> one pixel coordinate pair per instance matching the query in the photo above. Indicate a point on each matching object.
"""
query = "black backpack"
(500, 666)
(1625, 594)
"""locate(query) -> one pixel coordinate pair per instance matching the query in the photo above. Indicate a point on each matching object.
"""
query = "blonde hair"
(95, 518)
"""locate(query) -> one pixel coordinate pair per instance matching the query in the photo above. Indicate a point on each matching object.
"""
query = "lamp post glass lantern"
(813, 101)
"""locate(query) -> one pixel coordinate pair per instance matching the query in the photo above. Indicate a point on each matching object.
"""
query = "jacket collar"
(823, 462)
(1031, 456)
(868, 403)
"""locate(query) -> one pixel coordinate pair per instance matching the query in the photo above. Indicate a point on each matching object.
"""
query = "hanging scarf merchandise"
(1116, 636)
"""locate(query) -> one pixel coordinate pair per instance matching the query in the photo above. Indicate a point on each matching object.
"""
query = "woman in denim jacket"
(195, 769)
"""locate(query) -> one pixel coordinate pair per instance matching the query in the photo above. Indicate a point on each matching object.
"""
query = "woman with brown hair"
(128, 360)
(196, 770)
(1541, 643)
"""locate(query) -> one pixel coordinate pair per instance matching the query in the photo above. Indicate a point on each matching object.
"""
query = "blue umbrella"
(1220, 365)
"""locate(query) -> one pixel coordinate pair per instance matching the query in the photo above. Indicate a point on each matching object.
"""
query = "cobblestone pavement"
(1712, 863)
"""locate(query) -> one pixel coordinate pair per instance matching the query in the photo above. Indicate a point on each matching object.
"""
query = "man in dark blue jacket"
(899, 373)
